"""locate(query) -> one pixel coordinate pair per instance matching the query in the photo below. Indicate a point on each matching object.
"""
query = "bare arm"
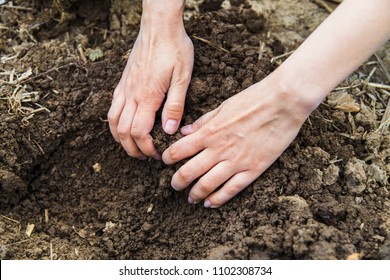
(352, 33)
(160, 64)
(232, 146)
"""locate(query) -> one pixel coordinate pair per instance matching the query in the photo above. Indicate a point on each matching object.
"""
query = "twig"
(51, 250)
(48, 71)
(42, 151)
(10, 219)
(8, 58)
(383, 67)
(348, 87)
(17, 8)
(381, 90)
(376, 85)
(281, 56)
(335, 161)
(367, 80)
(324, 5)
(385, 122)
(347, 135)
(211, 44)
(82, 54)
(46, 215)
(24, 240)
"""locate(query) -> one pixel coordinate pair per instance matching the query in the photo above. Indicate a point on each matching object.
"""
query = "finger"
(140, 130)
(174, 105)
(117, 105)
(183, 148)
(218, 175)
(193, 169)
(124, 129)
(191, 128)
(232, 187)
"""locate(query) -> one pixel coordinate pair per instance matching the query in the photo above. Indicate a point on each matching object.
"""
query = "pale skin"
(231, 146)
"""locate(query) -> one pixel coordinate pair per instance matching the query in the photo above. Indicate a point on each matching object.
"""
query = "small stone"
(331, 174)
(366, 118)
(378, 238)
(150, 208)
(109, 226)
(358, 199)
(97, 167)
(377, 174)
(255, 25)
(355, 176)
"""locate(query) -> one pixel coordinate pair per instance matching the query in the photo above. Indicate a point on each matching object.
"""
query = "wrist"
(304, 93)
(163, 13)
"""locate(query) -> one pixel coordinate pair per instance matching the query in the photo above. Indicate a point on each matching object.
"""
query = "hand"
(160, 63)
(237, 142)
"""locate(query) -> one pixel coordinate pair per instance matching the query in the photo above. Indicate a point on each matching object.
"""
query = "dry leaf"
(95, 54)
(343, 101)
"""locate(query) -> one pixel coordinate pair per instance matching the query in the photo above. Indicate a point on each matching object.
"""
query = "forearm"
(340, 44)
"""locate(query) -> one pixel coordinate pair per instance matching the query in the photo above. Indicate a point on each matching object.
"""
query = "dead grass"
(20, 99)
(211, 44)
(357, 84)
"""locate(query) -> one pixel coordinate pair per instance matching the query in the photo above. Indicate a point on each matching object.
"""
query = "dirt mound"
(325, 198)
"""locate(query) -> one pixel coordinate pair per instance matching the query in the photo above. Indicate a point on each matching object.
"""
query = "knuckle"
(210, 129)
(182, 79)
(122, 131)
(204, 186)
(174, 152)
(132, 150)
(136, 132)
(184, 175)
(151, 97)
(196, 196)
(111, 117)
(233, 190)
(175, 108)
(134, 153)
(198, 124)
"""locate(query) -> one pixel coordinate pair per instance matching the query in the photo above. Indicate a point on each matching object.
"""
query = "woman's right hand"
(160, 64)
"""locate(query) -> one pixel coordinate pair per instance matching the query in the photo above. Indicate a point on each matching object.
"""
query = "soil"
(326, 197)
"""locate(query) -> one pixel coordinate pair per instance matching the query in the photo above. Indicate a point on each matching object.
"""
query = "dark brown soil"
(327, 197)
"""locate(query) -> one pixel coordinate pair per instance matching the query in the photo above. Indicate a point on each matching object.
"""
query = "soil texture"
(69, 191)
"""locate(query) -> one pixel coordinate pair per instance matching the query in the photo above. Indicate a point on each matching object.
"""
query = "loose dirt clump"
(326, 197)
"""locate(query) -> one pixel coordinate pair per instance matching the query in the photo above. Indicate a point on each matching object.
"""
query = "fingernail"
(186, 129)
(157, 156)
(207, 204)
(190, 200)
(170, 126)
(173, 187)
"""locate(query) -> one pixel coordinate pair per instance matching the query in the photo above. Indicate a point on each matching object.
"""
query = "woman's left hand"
(235, 143)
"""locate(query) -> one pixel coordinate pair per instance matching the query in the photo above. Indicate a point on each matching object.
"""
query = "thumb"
(174, 105)
(191, 128)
